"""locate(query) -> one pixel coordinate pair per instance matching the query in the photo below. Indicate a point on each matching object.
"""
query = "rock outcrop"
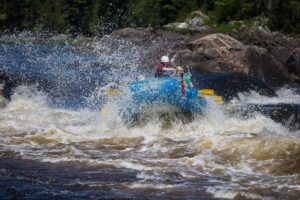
(264, 66)
(282, 48)
(215, 53)
(222, 53)
(269, 56)
(194, 23)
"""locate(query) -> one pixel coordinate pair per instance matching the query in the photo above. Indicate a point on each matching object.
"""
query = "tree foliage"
(283, 14)
(92, 17)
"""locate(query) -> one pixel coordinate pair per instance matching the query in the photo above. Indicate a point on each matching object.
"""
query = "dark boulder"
(265, 67)
(286, 114)
(283, 48)
(293, 64)
(216, 53)
(277, 66)
(229, 85)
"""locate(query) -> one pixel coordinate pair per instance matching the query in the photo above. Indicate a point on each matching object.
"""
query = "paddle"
(182, 84)
(210, 92)
(112, 92)
(181, 74)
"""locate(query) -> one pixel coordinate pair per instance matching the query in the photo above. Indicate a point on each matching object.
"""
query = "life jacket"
(186, 79)
(159, 70)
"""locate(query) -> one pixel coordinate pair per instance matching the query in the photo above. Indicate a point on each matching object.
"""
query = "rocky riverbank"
(272, 57)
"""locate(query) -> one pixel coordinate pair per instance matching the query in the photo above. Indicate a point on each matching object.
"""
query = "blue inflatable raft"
(167, 91)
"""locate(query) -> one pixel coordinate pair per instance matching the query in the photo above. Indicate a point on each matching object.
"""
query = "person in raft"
(187, 77)
(183, 75)
(165, 66)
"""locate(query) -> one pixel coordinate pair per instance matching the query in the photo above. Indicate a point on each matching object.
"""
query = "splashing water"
(48, 150)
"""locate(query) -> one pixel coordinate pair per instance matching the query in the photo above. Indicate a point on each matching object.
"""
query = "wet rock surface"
(266, 67)
(282, 49)
(229, 85)
(272, 57)
(216, 53)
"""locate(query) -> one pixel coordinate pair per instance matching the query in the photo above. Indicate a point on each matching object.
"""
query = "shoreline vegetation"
(90, 18)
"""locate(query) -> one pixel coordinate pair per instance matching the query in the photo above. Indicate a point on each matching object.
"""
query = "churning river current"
(60, 140)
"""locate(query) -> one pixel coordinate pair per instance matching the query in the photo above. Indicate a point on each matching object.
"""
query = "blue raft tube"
(156, 91)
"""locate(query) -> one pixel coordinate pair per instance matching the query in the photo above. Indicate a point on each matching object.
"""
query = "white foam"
(284, 95)
(220, 193)
(153, 185)
(28, 116)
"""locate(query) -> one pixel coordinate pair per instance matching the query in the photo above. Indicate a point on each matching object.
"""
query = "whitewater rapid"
(226, 156)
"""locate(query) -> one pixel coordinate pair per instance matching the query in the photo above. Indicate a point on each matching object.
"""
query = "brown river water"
(52, 153)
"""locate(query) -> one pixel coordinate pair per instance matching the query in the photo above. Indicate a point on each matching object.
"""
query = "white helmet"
(165, 59)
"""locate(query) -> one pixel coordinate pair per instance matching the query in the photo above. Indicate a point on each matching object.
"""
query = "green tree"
(147, 12)
(54, 15)
(92, 17)
(284, 15)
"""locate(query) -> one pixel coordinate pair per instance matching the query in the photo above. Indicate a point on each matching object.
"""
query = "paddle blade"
(218, 98)
(208, 92)
(112, 92)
